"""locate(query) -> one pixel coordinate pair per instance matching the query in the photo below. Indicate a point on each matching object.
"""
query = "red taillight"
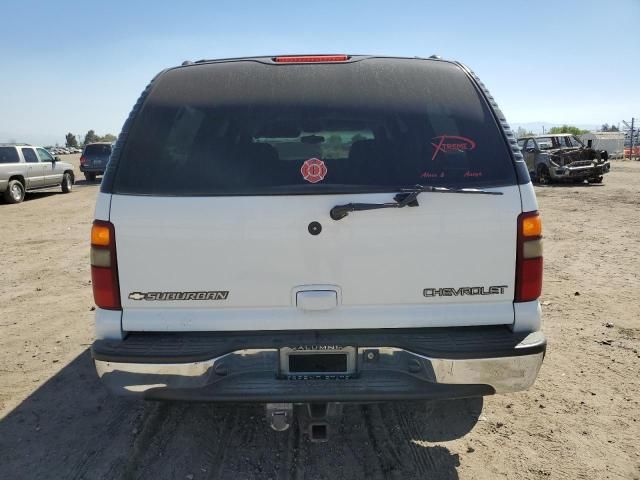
(82, 160)
(104, 266)
(311, 58)
(529, 257)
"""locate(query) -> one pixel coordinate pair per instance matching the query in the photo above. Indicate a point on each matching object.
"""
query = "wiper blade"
(408, 197)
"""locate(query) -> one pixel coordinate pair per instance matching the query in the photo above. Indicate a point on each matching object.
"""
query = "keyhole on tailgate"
(315, 228)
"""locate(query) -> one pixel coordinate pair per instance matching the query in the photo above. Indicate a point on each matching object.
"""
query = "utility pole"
(632, 132)
(631, 153)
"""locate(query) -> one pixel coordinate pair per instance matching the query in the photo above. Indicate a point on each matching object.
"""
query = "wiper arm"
(408, 197)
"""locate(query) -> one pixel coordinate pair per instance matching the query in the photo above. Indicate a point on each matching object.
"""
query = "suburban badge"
(173, 296)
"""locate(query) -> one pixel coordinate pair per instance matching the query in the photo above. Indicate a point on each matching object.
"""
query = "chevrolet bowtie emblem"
(136, 296)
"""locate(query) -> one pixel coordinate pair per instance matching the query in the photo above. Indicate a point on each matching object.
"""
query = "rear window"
(9, 155)
(246, 128)
(97, 149)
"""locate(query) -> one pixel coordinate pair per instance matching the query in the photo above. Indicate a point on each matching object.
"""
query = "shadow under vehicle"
(563, 158)
(57, 433)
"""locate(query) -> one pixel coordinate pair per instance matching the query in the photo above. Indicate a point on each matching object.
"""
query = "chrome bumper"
(257, 371)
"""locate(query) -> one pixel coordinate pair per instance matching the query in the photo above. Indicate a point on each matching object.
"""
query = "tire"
(596, 179)
(67, 183)
(15, 192)
(90, 177)
(544, 177)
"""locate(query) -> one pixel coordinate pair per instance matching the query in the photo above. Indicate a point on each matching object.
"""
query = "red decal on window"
(313, 170)
(472, 174)
(432, 175)
(451, 143)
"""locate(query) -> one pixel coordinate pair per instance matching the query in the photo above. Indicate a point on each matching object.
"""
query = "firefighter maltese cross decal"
(313, 170)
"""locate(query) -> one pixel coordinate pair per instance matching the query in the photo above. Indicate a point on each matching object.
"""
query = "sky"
(71, 66)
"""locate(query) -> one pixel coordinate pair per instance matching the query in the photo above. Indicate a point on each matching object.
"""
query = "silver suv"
(24, 167)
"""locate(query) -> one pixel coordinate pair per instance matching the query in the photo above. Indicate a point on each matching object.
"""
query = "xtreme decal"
(464, 291)
(451, 143)
(170, 296)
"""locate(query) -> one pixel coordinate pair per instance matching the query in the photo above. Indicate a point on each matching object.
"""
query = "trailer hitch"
(317, 420)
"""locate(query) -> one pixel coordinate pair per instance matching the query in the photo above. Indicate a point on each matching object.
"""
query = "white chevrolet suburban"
(316, 230)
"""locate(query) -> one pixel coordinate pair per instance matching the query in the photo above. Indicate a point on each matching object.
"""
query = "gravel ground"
(579, 421)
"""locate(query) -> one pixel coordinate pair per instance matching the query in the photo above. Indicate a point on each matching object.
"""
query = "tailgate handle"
(314, 300)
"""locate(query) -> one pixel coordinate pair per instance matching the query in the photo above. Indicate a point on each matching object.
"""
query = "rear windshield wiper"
(408, 197)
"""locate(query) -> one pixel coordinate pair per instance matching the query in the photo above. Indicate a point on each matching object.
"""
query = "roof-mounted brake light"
(311, 58)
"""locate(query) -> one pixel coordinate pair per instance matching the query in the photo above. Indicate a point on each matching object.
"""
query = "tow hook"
(279, 415)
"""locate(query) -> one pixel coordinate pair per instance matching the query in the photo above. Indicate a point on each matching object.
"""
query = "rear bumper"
(479, 362)
(96, 170)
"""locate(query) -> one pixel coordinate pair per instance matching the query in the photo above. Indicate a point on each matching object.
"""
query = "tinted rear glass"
(248, 128)
(9, 155)
(97, 150)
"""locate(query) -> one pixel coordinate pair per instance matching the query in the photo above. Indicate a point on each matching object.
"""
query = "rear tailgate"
(260, 251)
(96, 156)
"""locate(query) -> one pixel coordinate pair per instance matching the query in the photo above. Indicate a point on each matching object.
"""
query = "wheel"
(596, 179)
(544, 177)
(90, 177)
(14, 192)
(67, 183)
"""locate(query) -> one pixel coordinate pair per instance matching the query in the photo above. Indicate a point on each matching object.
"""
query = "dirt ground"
(581, 420)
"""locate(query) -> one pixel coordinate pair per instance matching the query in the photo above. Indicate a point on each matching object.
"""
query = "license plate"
(318, 361)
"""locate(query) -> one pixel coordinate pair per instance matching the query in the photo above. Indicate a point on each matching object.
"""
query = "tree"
(71, 140)
(613, 128)
(605, 127)
(91, 137)
(567, 129)
(107, 138)
(523, 132)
